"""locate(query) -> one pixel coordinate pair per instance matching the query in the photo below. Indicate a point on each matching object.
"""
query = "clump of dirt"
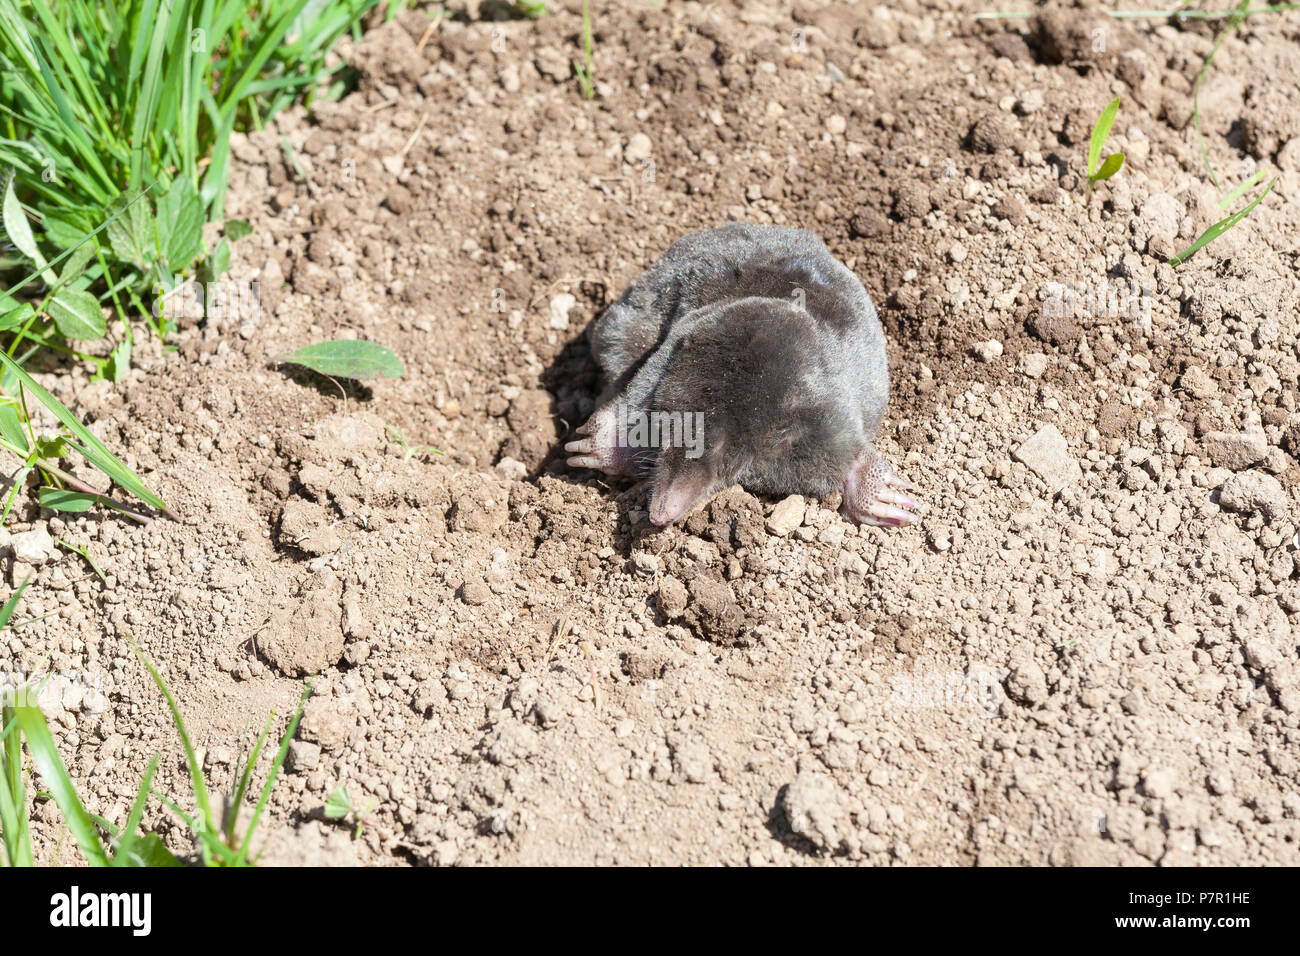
(1084, 653)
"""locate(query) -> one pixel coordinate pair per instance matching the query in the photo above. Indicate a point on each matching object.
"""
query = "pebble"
(33, 547)
(638, 148)
(786, 516)
(988, 351)
(1251, 492)
(1236, 450)
(1033, 364)
(814, 810)
(1048, 456)
(559, 311)
(475, 593)
(1159, 784)
(1031, 101)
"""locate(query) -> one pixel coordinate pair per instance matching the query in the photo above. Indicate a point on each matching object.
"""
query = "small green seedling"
(1223, 225)
(82, 550)
(532, 9)
(339, 807)
(346, 358)
(584, 73)
(410, 450)
(1098, 170)
(216, 828)
(63, 491)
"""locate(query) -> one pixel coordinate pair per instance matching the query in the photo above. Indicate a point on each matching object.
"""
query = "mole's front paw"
(873, 494)
(601, 449)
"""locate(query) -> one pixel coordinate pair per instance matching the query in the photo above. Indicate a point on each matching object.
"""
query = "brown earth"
(1085, 652)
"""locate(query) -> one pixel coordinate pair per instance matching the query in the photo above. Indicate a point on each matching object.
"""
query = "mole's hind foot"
(873, 494)
(601, 450)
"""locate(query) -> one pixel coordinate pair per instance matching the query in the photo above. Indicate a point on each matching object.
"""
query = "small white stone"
(1048, 456)
(559, 312)
(786, 516)
(33, 547)
(638, 148)
(1033, 364)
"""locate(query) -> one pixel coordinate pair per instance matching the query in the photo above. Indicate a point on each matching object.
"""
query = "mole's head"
(749, 398)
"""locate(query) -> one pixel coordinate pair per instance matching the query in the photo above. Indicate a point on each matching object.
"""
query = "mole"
(744, 355)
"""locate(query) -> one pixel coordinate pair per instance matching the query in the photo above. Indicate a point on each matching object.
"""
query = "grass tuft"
(128, 107)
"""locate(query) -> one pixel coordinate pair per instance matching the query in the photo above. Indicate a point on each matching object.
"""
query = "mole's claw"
(599, 448)
(885, 514)
(891, 497)
(872, 495)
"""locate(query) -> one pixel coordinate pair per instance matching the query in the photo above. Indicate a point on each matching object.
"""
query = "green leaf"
(77, 315)
(1114, 162)
(339, 804)
(131, 234)
(73, 502)
(67, 226)
(219, 261)
(11, 605)
(18, 228)
(76, 263)
(119, 361)
(347, 358)
(90, 447)
(1099, 134)
(1220, 227)
(51, 447)
(180, 220)
(237, 229)
(45, 758)
(16, 317)
(149, 850)
(11, 428)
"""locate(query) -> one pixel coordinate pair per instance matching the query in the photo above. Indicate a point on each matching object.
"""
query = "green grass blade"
(94, 450)
(1099, 134)
(1220, 227)
(191, 758)
(16, 832)
(45, 757)
(147, 105)
(275, 770)
(241, 790)
(127, 838)
(1236, 193)
(7, 611)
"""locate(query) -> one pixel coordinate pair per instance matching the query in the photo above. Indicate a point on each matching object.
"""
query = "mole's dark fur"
(759, 335)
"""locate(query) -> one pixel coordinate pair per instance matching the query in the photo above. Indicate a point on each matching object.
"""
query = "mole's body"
(745, 355)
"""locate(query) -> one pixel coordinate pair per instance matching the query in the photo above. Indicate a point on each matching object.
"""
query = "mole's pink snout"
(875, 495)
